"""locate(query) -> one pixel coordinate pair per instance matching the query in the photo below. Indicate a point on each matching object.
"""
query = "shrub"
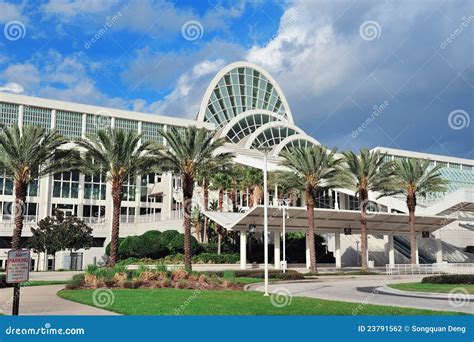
(213, 258)
(127, 285)
(91, 269)
(182, 284)
(109, 283)
(107, 248)
(166, 283)
(450, 279)
(76, 282)
(179, 274)
(175, 242)
(131, 247)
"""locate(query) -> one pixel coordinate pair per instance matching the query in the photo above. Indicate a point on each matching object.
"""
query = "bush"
(76, 282)
(152, 246)
(175, 242)
(107, 248)
(212, 258)
(450, 279)
(131, 247)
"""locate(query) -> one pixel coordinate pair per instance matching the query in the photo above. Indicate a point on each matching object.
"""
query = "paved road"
(360, 289)
(42, 300)
(49, 275)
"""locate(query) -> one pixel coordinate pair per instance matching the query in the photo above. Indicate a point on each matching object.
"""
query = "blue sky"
(356, 73)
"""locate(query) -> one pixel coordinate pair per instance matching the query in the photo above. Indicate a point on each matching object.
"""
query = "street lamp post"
(285, 216)
(265, 150)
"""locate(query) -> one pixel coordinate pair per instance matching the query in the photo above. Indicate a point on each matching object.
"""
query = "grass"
(190, 302)
(436, 288)
(44, 282)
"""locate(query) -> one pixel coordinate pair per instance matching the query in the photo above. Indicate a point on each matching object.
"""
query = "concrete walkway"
(43, 300)
(360, 289)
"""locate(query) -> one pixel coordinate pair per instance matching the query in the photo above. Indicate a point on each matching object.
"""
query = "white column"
(275, 197)
(20, 117)
(53, 119)
(439, 247)
(337, 249)
(391, 250)
(276, 241)
(308, 257)
(243, 249)
(336, 200)
(84, 124)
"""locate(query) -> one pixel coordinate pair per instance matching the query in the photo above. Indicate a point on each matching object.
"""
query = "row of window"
(69, 124)
(434, 162)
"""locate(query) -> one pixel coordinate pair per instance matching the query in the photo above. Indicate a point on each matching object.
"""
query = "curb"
(248, 286)
(429, 295)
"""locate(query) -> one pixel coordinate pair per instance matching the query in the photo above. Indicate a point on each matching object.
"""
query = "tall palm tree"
(119, 155)
(367, 171)
(221, 182)
(312, 169)
(26, 154)
(203, 180)
(191, 151)
(413, 178)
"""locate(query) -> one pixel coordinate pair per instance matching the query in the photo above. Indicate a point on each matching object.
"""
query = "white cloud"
(67, 9)
(9, 11)
(12, 87)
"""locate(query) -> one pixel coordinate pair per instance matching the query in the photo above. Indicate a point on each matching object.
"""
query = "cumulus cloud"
(12, 87)
(9, 11)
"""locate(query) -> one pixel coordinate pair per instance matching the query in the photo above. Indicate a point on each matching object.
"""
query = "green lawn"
(167, 301)
(44, 282)
(426, 287)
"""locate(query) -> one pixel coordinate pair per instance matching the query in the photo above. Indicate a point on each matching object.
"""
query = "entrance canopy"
(326, 221)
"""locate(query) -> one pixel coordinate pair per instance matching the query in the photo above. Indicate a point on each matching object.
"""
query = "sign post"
(18, 271)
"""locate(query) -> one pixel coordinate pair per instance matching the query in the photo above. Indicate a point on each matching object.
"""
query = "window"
(9, 113)
(150, 132)
(454, 166)
(6, 210)
(151, 178)
(67, 209)
(93, 213)
(126, 125)
(95, 187)
(37, 116)
(97, 122)
(6, 185)
(33, 188)
(66, 185)
(467, 167)
(127, 214)
(69, 124)
(176, 183)
(129, 189)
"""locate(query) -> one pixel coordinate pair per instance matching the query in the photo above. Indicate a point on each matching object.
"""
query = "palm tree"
(413, 178)
(221, 181)
(366, 172)
(27, 154)
(203, 179)
(119, 155)
(252, 180)
(190, 152)
(312, 169)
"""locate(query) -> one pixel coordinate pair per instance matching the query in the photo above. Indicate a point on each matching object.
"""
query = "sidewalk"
(42, 300)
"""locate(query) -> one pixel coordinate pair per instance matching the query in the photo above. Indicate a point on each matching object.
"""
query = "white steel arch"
(278, 148)
(230, 110)
(275, 124)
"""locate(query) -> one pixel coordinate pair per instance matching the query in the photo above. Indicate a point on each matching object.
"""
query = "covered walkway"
(329, 221)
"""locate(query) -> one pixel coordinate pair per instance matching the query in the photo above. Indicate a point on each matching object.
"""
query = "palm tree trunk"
(188, 189)
(219, 234)
(363, 197)
(114, 239)
(20, 200)
(310, 232)
(411, 204)
(205, 186)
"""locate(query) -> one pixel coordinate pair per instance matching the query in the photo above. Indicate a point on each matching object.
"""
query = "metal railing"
(443, 268)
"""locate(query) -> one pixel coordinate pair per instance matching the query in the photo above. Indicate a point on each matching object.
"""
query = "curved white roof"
(249, 109)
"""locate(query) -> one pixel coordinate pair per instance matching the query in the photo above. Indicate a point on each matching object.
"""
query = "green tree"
(312, 169)
(252, 180)
(413, 178)
(119, 155)
(27, 154)
(60, 232)
(366, 172)
(191, 151)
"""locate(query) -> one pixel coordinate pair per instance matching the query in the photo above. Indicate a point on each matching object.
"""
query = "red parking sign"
(18, 266)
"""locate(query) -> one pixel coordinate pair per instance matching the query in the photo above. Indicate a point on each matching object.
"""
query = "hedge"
(450, 279)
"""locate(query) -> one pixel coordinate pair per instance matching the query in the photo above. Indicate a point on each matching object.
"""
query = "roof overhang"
(326, 221)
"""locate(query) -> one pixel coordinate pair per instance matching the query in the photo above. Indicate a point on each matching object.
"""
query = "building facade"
(244, 105)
